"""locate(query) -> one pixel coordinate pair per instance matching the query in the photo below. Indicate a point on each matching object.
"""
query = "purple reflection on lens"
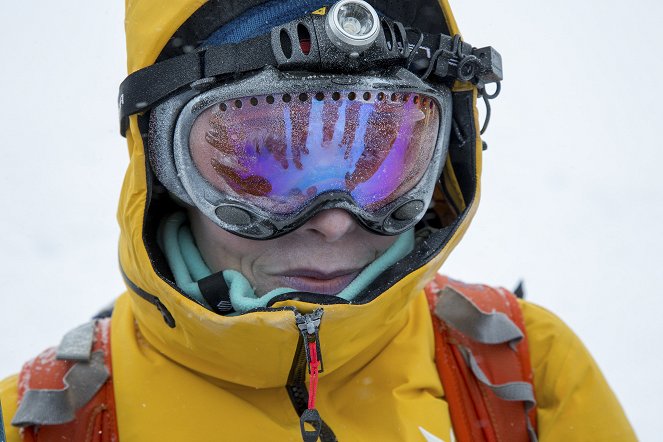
(279, 155)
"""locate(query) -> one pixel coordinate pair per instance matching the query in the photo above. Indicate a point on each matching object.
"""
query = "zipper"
(308, 356)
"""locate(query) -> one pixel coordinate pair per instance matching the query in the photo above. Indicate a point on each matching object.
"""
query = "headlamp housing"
(313, 44)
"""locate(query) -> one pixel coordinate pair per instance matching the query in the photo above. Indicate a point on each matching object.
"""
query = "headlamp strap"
(144, 88)
(288, 47)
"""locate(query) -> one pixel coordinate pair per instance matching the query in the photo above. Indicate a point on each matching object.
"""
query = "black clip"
(312, 417)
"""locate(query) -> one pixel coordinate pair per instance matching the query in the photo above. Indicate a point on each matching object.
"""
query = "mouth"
(316, 281)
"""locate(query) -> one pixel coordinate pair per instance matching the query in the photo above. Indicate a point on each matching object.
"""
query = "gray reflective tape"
(462, 314)
(509, 391)
(76, 345)
(54, 407)
(530, 431)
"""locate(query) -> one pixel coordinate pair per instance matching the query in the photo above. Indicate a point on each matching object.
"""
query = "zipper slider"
(309, 327)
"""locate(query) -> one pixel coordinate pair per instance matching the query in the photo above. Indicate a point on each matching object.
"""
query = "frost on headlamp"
(352, 25)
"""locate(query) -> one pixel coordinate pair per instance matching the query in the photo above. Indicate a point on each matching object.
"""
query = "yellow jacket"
(380, 381)
(206, 377)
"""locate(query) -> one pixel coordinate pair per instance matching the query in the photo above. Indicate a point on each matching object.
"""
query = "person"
(299, 171)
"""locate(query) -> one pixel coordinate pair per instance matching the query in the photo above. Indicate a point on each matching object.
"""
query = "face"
(322, 256)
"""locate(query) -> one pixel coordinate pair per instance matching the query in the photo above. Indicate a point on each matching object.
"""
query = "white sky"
(571, 200)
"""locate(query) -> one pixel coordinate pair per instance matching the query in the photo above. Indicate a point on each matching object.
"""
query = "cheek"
(241, 248)
(222, 250)
(378, 243)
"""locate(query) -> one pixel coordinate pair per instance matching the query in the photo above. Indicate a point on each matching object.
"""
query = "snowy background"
(572, 200)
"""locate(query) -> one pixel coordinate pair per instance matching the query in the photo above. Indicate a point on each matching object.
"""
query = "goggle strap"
(144, 88)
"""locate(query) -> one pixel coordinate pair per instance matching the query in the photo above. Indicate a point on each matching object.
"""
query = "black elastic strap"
(224, 60)
(216, 292)
(144, 88)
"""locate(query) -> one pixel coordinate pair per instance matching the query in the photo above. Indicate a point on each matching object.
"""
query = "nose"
(331, 224)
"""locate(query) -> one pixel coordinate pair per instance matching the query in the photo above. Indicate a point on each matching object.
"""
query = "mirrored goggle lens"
(280, 151)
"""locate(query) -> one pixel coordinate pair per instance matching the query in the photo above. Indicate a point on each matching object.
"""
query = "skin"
(322, 256)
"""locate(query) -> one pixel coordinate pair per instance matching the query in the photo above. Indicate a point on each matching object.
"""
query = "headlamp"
(351, 39)
(352, 25)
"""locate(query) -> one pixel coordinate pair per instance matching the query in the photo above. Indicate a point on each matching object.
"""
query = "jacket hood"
(189, 333)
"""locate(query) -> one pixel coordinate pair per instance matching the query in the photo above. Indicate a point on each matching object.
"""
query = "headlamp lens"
(355, 20)
(278, 152)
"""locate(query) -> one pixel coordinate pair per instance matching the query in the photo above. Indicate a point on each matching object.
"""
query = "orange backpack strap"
(483, 360)
(66, 393)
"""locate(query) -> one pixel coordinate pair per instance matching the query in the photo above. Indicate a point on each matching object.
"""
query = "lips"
(317, 281)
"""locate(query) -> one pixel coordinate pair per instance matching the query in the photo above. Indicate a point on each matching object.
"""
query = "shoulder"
(8, 393)
(549, 336)
(574, 401)
(556, 351)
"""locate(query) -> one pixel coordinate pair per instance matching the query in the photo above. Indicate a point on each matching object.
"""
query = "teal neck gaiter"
(188, 267)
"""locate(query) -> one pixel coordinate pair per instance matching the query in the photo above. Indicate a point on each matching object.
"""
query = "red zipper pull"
(313, 369)
(309, 325)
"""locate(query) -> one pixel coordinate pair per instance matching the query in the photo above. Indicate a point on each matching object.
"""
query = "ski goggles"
(263, 155)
